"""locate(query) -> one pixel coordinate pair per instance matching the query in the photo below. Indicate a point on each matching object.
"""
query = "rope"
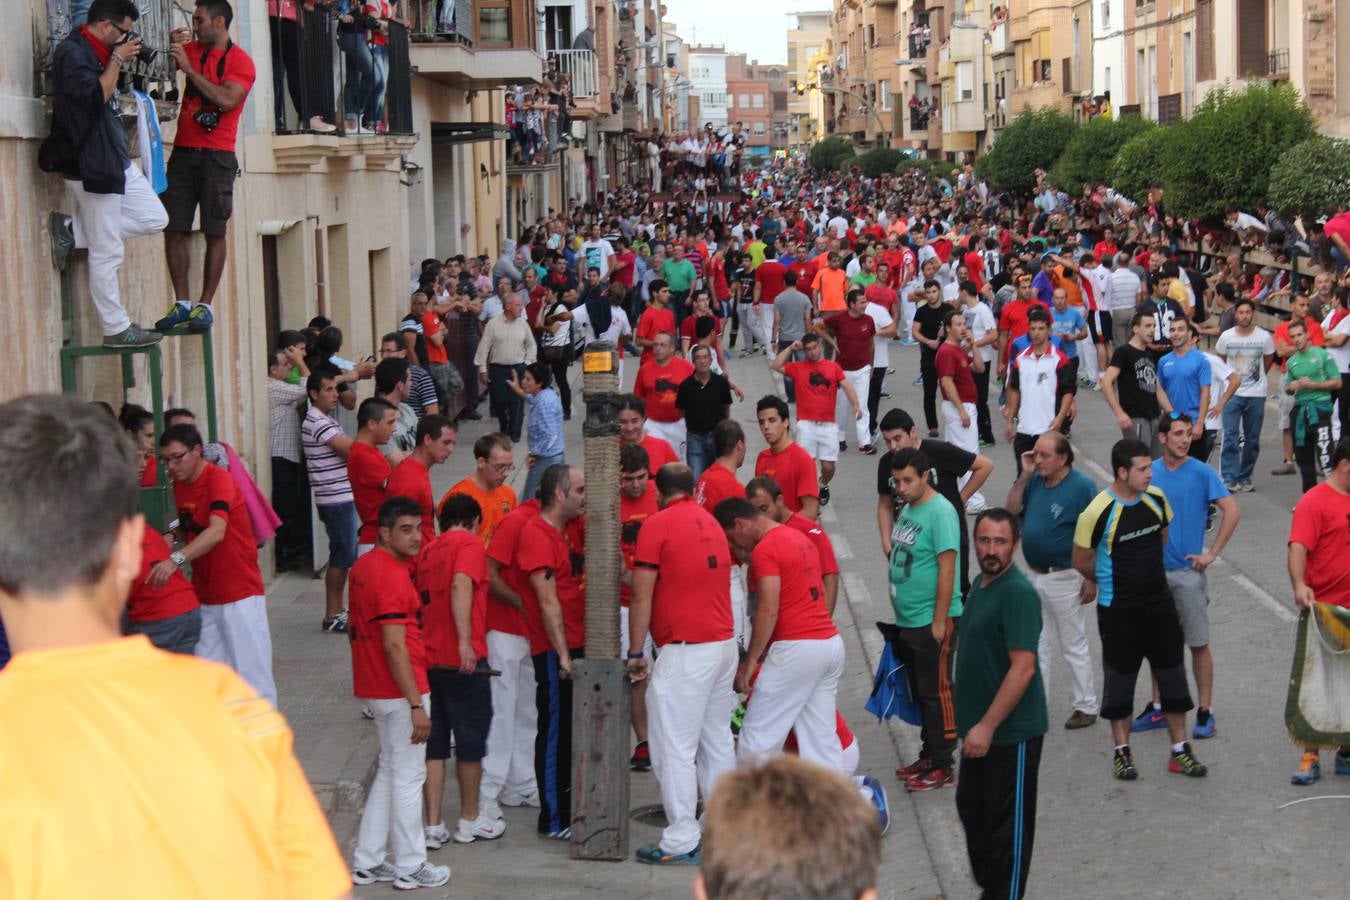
(604, 561)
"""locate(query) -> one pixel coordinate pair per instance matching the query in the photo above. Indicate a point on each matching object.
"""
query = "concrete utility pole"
(600, 718)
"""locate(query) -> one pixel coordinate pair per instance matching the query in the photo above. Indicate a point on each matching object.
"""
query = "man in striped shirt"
(326, 447)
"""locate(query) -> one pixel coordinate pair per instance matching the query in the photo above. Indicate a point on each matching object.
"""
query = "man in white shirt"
(1223, 384)
(1250, 351)
(984, 334)
(1123, 294)
(594, 253)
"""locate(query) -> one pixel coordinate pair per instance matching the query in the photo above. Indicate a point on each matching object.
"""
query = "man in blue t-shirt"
(1183, 381)
(1049, 495)
(1191, 488)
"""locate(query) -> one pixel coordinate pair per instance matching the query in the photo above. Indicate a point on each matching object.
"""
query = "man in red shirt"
(633, 430)
(766, 496)
(1012, 319)
(203, 166)
(168, 614)
(769, 284)
(214, 524)
(411, 478)
(657, 384)
(784, 461)
(551, 564)
(389, 672)
(717, 483)
(508, 767)
(367, 469)
(797, 685)
(452, 581)
(623, 264)
(637, 504)
(655, 319)
(955, 362)
(853, 331)
(680, 594)
(817, 381)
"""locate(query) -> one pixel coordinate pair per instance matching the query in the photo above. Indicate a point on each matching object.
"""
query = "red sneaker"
(641, 760)
(931, 780)
(919, 767)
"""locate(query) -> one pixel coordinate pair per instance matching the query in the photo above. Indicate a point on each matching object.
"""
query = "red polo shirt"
(688, 550)
(412, 480)
(717, 483)
(790, 555)
(502, 549)
(543, 548)
(632, 515)
(795, 472)
(380, 592)
(229, 572)
(369, 472)
(457, 552)
(657, 385)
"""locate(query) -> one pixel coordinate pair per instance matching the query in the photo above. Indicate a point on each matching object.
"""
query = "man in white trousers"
(796, 688)
(508, 767)
(957, 363)
(853, 332)
(1049, 495)
(681, 594)
(113, 199)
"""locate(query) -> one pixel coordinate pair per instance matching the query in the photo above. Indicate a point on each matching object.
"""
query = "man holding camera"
(203, 167)
(88, 146)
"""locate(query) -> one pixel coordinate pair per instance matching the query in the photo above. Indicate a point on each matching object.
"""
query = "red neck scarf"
(101, 50)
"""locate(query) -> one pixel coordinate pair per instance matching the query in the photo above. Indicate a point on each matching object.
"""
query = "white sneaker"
(425, 876)
(489, 809)
(437, 836)
(382, 872)
(530, 799)
(484, 827)
(317, 124)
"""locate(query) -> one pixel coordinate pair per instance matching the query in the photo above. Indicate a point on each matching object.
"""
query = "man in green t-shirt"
(678, 274)
(1000, 711)
(922, 574)
(1310, 376)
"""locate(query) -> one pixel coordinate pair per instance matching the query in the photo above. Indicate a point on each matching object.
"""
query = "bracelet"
(635, 656)
(416, 706)
(114, 58)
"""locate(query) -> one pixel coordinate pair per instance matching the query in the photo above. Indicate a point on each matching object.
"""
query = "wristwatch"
(178, 559)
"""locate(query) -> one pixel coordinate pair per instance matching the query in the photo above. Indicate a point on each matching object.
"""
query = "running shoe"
(1211, 516)
(1342, 763)
(1232, 486)
(843, 445)
(1246, 487)
(867, 450)
(437, 836)
(1080, 719)
(424, 876)
(483, 828)
(918, 767)
(917, 382)
(337, 624)
(1123, 762)
(177, 315)
(1183, 761)
(1284, 468)
(1204, 725)
(655, 856)
(516, 799)
(1149, 720)
(933, 433)
(986, 443)
(200, 319)
(824, 495)
(641, 760)
(878, 799)
(562, 834)
(931, 780)
(131, 337)
(1309, 770)
(382, 872)
(62, 228)
(737, 719)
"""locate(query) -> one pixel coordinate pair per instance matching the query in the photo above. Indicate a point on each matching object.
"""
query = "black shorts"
(1131, 634)
(1099, 326)
(462, 705)
(202, 178)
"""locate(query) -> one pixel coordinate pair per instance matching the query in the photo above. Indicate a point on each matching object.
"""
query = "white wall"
(714, 82)
(1108, 51)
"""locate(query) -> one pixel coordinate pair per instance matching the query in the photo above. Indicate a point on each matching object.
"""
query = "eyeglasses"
(171, 458)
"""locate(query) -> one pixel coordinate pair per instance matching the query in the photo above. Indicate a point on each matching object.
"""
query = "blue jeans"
(360, 74)
(1242, 415)
(700, 453)
(536, 474)
(341, 523)
(379, 75)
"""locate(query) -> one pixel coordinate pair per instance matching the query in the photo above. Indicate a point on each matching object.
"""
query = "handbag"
(57, 154)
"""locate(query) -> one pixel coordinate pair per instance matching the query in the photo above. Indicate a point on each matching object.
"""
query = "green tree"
(1139, 162)
(1035, 139)
(1088, 155)
(879, 161)
(1224, 153)
(825, 154)
(1310, 177)
(932, 169)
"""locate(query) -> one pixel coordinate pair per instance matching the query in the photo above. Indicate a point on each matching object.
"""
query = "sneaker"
(1309, 770)
(437, 836)
(917, 382)
(424, 876)
(824, 495)
(200, 319)
(382, 872)
(562, 834)
(867, 450)
(134, 336)
(933, 433)
(1342, 763)
(319, 126)
(641, 760)
(62, 228)
(483, 828)
(1184, 762)
(489, 808)
(1232, 487)
(1284, 468)
(931, 780)
(986, 443)
(843, 445)
(879, 801)
(1080, 719)
(337, 624)
(1211, 517)
(918, 767)
(1246, 487)
(655, 856)
(177, 315)
(367, 712)
(737, 718)
(1123, 763)
(530, 799)
(1204, 725)
(1149, 720)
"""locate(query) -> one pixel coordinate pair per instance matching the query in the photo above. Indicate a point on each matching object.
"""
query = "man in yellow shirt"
(125, 771)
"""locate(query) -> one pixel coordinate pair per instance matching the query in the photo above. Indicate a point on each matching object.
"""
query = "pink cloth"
(261, 515)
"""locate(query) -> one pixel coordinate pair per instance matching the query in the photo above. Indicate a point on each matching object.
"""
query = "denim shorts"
(462, 705)
(339, 520)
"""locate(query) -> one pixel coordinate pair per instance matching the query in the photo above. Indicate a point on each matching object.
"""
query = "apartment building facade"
(807, 49)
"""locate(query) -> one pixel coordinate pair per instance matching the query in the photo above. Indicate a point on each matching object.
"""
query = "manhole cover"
(655, 815)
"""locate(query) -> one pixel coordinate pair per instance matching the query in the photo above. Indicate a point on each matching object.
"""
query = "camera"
(146, 55)
(369, 22)
(207, 119)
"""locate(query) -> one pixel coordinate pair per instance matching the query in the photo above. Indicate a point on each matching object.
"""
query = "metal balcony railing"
(156, 73)
(450, 21)
(580, 66)
(1277, 62)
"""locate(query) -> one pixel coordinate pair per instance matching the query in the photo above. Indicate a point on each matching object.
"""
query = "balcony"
(575, 72)
(477, 44)
(1277, 64)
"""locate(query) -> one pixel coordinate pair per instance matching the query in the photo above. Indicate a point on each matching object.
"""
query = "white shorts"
(819, 439)
(623, 637)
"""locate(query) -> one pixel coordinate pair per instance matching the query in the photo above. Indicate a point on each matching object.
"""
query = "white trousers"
(967, 437)
(796, 690)
(391, 823)
(1064, 622)
(1087, 358)
(764, 322)
(509, 763)
(689, 707)
(852, 756)
(102, 223)
(673, 433)
(861, 379)
(237, 635)
(907, 310)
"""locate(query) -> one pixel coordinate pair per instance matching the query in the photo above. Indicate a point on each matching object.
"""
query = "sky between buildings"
(757, 28)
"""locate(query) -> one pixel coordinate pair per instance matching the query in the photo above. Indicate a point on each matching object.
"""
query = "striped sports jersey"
(1128, 539)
